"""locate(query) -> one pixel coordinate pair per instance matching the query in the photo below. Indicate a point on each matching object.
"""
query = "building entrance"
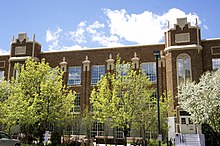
(186, 124)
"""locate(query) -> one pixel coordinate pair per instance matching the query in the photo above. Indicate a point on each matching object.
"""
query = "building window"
(190, 121)
(183, 68)
(17, 70)
(1, 74)
(122, 69)
(73, 129)
(149, 69)
(97, 72)
(77, 103)
(74, 77)
(120, 133)
(97, 129)
(183, 120)
(215, 64)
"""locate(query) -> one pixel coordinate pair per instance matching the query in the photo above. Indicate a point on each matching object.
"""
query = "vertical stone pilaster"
(86, 77)
(135, 62)
(110, 64)
(63, 67)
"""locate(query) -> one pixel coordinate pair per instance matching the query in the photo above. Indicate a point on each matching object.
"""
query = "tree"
(38, 98)
(202, 100)
(87, 120)
(4, 93)
(147, 115)
(117, 96)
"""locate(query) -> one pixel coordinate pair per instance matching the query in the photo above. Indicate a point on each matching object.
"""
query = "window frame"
(215, 61)
(77, 105)
(95, 78)
(183, 56)
(120, 133)
(75, 81)
(97, 129)
(2, 75)
(152, 78)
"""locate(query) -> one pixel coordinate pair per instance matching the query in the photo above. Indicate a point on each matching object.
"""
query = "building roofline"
(5, 55)
(211, 39)
(183, 47)
(101, 48)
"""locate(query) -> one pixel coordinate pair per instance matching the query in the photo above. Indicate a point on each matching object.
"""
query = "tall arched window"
(183, 68)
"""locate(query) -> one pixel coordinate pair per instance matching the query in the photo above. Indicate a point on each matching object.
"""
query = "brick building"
(184, 56)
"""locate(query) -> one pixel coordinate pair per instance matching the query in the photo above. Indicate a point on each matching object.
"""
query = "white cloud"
(4, 52)
(53, 36)
(100, 37)
(205, 26)
(74, 47)
(119, 28)
(54, 45)
(78, 35)
(96, 25)
(145, 27)
(175, 13)
(108, 41)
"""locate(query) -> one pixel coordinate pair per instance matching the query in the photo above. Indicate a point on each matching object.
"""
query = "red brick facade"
(183, 38)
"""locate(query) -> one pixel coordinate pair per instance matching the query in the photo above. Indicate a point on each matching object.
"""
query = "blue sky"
(79, 24)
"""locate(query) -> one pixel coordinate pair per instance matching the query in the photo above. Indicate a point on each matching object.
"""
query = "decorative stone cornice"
(110, 63)
(23, 58)
(63, 65)
(135, 61)
(63, 62)
(183, 47)
(182, 22)
(86, 64)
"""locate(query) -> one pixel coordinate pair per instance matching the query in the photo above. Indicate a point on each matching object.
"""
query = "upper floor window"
(97, 72)
(183, 68)
(149, 69)
(215, 63)
(74, 77)
(122, 69)
(17, 70)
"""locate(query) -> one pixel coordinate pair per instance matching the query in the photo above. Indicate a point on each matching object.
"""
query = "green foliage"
(118, 97)
(37, 97)
(5, 89)
(86, 120)
(147, 115)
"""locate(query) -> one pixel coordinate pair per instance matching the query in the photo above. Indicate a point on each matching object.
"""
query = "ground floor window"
(120, 133)
(97, 129)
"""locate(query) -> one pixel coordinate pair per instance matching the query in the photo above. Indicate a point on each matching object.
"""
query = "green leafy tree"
(38, 98)
(117, 96)
(202, 100)
(87, 120)
(4, 93)
(147, 116)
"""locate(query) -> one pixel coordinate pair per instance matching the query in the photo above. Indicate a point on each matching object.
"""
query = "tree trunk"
(144, 138)
(41, 135)
(125, 135)
(88, 136)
